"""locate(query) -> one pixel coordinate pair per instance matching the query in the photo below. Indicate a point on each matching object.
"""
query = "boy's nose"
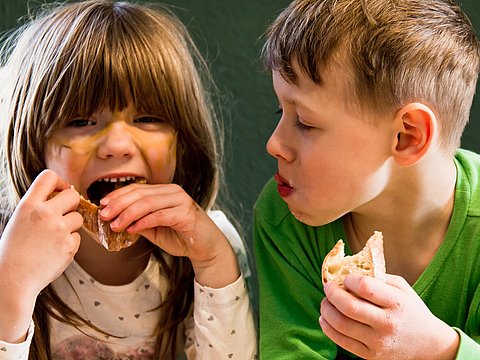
(117, 141)
(277, 146)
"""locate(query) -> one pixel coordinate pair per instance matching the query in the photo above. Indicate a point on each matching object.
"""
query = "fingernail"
(114, 224)
(104, 212)
(104, 202)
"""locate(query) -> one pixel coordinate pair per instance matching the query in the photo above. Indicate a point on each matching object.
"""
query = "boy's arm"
(289, 298)
(377, 319)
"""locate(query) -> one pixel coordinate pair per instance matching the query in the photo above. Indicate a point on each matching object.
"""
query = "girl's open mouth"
(101, 188)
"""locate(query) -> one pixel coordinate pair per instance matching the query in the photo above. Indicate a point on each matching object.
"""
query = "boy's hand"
(378, 320)
(167, 216)
(36, 246)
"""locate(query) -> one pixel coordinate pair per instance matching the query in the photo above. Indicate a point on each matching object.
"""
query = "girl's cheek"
(66, 157)
(162, 155)
(78, 147)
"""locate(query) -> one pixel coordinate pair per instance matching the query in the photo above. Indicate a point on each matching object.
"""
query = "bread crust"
(370, 261)
(101, 230)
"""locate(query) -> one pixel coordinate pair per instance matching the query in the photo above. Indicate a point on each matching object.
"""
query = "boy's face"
(118, 146)
(332, 158)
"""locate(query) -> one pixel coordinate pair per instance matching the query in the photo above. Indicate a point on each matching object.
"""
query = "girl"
(106, 97)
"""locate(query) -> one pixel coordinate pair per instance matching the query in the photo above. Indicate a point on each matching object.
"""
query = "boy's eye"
(302, 126)
(80, 123)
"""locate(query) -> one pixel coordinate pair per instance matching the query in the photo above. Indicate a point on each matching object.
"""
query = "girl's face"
(112, 147)
(330, 160)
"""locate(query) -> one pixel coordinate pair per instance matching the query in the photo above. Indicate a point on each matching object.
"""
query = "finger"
(170, 218)
(144, 200)
(74, 221)
(159, 189)
(352, 306)
(74, 244)
(136, 211)
(44, 184)
(354, 346)
(382, 293)
(66, 201)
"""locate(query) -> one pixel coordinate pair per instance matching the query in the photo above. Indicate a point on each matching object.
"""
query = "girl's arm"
(167, 216)
(223, 322)
(224, 325)
(37, 244)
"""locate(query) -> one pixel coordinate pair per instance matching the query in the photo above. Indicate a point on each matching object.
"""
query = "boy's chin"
(311, 220)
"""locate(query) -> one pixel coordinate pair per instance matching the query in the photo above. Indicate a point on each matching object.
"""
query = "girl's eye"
(148, 120)
(80, 123)
(279, 111)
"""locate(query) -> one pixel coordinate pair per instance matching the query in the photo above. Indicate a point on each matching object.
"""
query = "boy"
(374, 97)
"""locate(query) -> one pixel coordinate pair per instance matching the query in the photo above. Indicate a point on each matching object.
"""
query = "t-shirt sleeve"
(223, 324)
(468, 349)
(19, 351)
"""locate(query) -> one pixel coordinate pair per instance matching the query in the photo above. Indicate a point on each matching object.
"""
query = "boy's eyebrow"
(293, 102)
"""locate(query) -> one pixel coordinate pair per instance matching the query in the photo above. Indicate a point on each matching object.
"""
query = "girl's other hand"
(41, 237)
(378, 320)
(36, 246)
(167, 216)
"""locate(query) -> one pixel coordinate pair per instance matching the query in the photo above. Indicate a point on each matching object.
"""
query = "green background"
(228, 33)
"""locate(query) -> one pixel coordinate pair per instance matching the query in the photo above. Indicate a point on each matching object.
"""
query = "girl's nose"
(277, 145)
(117, 141)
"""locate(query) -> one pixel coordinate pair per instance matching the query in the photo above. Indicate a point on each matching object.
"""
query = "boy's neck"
(413, 217)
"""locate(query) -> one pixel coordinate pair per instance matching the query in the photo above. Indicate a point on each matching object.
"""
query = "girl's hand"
(377, 320)
(36, 246)
(167, 216)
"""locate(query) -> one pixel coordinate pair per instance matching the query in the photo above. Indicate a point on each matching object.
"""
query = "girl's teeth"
(122, 179)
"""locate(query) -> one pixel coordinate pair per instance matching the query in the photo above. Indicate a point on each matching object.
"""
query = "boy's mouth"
(102, 187)
(283, 186)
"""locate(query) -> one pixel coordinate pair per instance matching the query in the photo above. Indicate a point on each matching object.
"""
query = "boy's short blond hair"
(398, 51)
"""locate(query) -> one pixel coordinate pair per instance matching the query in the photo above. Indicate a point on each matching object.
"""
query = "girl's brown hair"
(396, 51)
(76, 58)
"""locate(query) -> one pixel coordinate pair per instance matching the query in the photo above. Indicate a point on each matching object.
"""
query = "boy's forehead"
(333, 78)
(306, 95)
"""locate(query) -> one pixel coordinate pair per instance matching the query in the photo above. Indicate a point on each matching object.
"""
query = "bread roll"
(370, 261)
(99, 229)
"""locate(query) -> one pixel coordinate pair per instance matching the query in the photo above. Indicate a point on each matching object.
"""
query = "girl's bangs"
(114, 67)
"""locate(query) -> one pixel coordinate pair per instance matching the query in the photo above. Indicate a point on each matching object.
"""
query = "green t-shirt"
(289, 257)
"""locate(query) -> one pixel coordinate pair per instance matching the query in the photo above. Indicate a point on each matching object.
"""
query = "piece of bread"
(369, 261)
(99, 229)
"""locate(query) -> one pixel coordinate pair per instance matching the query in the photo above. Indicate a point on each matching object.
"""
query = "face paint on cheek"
(161, 152)
(79, 147)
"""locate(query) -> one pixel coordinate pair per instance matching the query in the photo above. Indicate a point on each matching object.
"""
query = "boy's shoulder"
(468, 179)
(269, 206)
(468, 160)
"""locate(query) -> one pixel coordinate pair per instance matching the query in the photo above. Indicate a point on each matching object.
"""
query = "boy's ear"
(417, 125)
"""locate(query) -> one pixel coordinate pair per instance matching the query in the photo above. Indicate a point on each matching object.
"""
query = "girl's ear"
(417, 125)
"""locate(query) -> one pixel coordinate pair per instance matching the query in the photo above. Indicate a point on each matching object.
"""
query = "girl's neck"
(113, 268)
